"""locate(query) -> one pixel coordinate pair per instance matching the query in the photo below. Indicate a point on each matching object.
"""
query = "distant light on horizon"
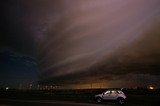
(7, 88)
(151, 87)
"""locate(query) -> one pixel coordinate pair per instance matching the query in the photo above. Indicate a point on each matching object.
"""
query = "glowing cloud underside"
(85, 32)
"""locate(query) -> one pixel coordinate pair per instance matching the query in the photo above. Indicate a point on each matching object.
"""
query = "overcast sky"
(109, 43)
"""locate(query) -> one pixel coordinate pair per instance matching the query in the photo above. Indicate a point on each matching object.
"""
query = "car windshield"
(107, 92)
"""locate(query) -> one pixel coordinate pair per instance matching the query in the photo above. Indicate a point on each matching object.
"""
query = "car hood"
(98, 95)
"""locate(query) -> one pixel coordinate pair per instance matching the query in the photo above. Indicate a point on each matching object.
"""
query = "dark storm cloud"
(84, 41)
(14, 34)
(94, 41)
(17, 45)
(137, 63)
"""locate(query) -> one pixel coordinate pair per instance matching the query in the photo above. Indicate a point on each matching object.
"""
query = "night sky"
(76, 43)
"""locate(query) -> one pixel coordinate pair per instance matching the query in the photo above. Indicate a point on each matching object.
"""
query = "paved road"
(10, 102)
(45, 103)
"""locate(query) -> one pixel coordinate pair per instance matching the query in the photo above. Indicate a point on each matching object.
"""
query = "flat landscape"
(74, 98)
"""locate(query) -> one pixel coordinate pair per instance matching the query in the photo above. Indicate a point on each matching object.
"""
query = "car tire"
(120, 101)
(99, 100)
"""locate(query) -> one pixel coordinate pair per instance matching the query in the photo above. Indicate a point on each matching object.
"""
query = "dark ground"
(138, 97)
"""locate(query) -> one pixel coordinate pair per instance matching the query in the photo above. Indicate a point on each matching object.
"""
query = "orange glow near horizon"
(151, 87)
(88, 86)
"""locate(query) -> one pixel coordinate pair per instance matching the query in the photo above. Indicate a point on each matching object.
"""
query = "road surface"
(12, 102)
(46, 103)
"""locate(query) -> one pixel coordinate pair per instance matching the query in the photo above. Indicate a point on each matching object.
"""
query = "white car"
(111, 95)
